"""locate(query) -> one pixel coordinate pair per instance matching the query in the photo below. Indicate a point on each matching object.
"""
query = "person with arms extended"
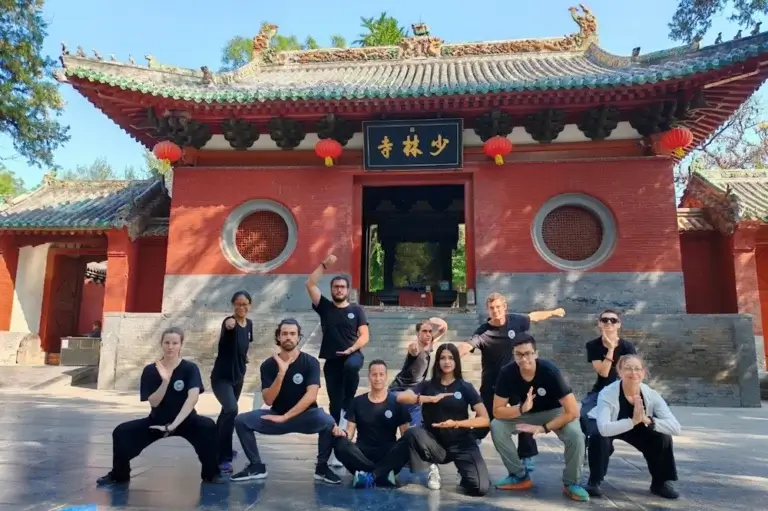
(446, 435)
(631, 411)
(376, 417)
(229, 373)
(290, 381)
(532, 396)
(494, 340)
(172, 387)
(345, 334)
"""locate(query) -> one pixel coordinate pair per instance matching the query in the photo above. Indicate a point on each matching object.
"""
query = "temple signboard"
(425, 144)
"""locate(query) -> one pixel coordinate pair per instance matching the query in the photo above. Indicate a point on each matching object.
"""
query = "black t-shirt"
(377, 423)
(339, 325)
(413, 372)
(596, 350)
(303, 372)
(627, 409)
(495, 345)
(230, 364)
(186, 376)
(449, 408)
(549, 386)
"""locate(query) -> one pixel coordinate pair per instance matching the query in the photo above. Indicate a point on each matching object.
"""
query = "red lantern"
(166, 150)
(676, 140)
(497, 148)
(328, 149)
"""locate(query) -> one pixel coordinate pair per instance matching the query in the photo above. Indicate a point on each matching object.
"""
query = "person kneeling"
(172, 386)
(290, 381)
(630, 410)
(539, 401)
(376, 417)
(447, 435)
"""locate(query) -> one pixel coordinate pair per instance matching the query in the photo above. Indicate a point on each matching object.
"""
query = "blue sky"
(191, 33)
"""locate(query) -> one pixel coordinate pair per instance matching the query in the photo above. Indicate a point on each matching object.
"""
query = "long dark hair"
(437, 373)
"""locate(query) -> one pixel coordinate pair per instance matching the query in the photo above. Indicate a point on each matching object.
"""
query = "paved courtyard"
(55, 445)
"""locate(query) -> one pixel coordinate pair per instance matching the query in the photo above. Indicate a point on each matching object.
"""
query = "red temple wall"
(708, 271)
(91, 307)
(152, 254)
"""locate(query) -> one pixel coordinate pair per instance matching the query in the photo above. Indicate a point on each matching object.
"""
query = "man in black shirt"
(494, 340)
(532, 396)
(376, 417)
(289, 384)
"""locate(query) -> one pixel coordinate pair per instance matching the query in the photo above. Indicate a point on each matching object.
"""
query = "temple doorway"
(414, 246)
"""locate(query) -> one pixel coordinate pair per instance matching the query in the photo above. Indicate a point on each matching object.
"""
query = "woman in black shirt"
(229, 373)
(446, 435)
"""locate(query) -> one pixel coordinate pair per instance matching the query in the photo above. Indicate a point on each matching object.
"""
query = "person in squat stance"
(631, 411)
(229, 373)
(494, 340)
(376, 417)
(447, 432)
(289, 384)
(172, 386)
(532, 396)
(345, 334)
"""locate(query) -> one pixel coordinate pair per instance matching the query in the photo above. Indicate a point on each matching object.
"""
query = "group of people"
(441, 418)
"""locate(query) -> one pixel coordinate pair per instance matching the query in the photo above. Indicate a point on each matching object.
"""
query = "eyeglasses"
(632, 369)
(527, 354)
(605, 321)
(242, 304)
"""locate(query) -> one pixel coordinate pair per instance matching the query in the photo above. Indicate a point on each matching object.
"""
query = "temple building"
(436, 173)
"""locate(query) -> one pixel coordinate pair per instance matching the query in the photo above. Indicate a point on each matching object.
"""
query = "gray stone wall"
(587, 292)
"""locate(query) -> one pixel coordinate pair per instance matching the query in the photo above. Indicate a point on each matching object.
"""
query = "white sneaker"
(433, 479)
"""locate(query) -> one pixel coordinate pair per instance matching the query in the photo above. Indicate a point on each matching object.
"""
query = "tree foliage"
(382, 31)
(239, 50)
(101, 170)
(693, 18)
(29, 98)
(11, 185)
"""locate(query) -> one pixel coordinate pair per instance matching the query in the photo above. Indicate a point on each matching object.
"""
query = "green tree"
(29, 98)
(382, 31)
(239, 50)
(693, 18)
(101, 170)
(11, 185)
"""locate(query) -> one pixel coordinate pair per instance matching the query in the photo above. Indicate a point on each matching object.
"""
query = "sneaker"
(529, 464)
(362, 480)
(325, 474)
(665, 490)
(226, 467)
(214, 480)
(251, 473)
(594, 489)
(109, 479)
(576, 492)
(433, 479)
(334, 462)
(515, 482)
(389, 480)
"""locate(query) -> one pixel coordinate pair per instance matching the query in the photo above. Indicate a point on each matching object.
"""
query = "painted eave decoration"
(420, 66)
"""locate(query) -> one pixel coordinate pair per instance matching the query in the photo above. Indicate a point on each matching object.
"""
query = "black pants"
(227, 394)
(356, 459)
(466, 457)
(526, 444)
(132, 437)
(342, 376)
(656, 449)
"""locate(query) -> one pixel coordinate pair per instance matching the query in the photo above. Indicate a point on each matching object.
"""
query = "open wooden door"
(62, 308)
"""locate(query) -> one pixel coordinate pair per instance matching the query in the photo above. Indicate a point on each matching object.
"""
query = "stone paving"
(55, 445)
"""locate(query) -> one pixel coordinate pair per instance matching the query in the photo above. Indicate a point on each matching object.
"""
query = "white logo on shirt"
(388, 414)
(457, 395)
(351, 316)
(178, 385)
(511, 334)
(541, 391)
(298, 378)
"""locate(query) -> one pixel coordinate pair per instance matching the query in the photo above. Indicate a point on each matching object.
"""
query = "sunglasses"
(609, 320)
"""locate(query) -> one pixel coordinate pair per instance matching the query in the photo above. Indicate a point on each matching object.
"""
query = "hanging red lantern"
(676, 140)
(328, 149)
(167, 152)
(497, 148)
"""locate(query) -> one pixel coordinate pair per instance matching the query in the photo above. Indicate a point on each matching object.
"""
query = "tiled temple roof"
(420, 66)
(748, 187)
(693, 219)
(84, 205)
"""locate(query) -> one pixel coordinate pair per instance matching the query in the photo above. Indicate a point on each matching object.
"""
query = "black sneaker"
(250, 473)
(665, 490)
(214, 480)
(594, 489)
(325, 474)
(109, 479)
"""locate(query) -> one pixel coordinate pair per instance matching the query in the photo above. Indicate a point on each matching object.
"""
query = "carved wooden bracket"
(287, 133)
(598, 123)
(239, 133)
(545, 126)
(179, 128)
(492, 124)
(336, 128)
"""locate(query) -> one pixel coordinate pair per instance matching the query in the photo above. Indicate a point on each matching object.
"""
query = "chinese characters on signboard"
(427, 144)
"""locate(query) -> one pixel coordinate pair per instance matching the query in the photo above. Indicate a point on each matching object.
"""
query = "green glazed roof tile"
(750, 186)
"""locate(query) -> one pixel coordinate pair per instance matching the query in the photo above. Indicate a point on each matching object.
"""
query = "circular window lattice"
(261, 237)
(572, 233)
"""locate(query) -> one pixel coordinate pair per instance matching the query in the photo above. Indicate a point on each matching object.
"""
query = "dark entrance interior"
(414, 251)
